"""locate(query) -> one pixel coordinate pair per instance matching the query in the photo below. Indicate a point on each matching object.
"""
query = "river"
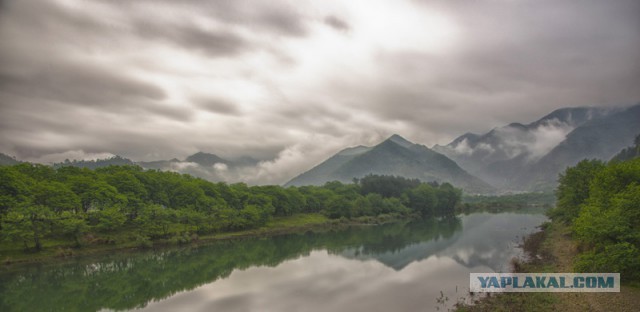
(403, 266)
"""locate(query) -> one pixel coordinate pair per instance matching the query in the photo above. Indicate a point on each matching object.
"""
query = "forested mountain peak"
(629, 152)
(393, 156)
(205, 159)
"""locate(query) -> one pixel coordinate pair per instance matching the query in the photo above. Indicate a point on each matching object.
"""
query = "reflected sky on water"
(401, 266)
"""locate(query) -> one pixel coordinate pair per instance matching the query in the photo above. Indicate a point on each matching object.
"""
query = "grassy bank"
(552, 250)
(53, 250)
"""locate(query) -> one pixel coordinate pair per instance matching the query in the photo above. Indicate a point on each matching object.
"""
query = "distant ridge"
(205, 159)
(500, 154)
(630, 152)
(393, 156)
(515, 157)
(6, 160)
(600, 138)
(529, 157)
(98, 163)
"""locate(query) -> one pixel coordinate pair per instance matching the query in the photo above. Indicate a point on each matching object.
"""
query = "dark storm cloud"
(336, 23)
(260, 16)
(282, 21)
(48, 17)
(213, 43)
(216, 105)
(86, 86)
(75, 83)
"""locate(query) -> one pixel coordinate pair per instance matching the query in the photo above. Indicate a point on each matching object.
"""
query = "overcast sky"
(292, 82)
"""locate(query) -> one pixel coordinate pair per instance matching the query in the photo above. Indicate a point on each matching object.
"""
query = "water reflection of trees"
(131, 280)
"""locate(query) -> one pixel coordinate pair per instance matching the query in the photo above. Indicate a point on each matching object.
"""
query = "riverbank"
(553, 250)
(298, 223)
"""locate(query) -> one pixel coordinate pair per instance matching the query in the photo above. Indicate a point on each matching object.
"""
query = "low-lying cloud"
(515, 140)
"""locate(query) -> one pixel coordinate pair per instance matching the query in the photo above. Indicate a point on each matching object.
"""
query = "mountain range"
(514, 157)
(529, 157)
(394, 156)
(204, 165)
(599, 138)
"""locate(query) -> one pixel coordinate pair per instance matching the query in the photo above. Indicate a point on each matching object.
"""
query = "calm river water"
(405, 266)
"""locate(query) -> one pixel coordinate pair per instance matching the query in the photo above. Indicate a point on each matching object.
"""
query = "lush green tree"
(339, 207)
(15, 188)
(573, 189)
(448, 197)
(94, 193)
(16, 227)
(102, 195)
(128, 185)
(315, 198)
(348, 191)
(377, 204)
(72, 225)
(188, 195)
(28, 223)
(232, 196)
(280, 199)
(608, 220)
(394, 205)
(422, 199)
(191, 218)
(39, 202)
(363, 206)
(107, 220)
(250, 216)
(37, 172)
(387, 186)
(622, 257)
(297, 201)
(56, 196)
(155, 220)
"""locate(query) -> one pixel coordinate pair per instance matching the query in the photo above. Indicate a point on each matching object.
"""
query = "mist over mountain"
(600, 138)
(529, 157)
(500, 153)
(6, 160)
(209, 166)
(204, 165)
(394, 156)
(630, 152)
(205, 159)
(515, 157)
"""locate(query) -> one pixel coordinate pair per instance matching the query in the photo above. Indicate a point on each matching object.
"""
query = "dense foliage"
(87, 206)
(97, 163)
(601, 202)
(629, 152)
